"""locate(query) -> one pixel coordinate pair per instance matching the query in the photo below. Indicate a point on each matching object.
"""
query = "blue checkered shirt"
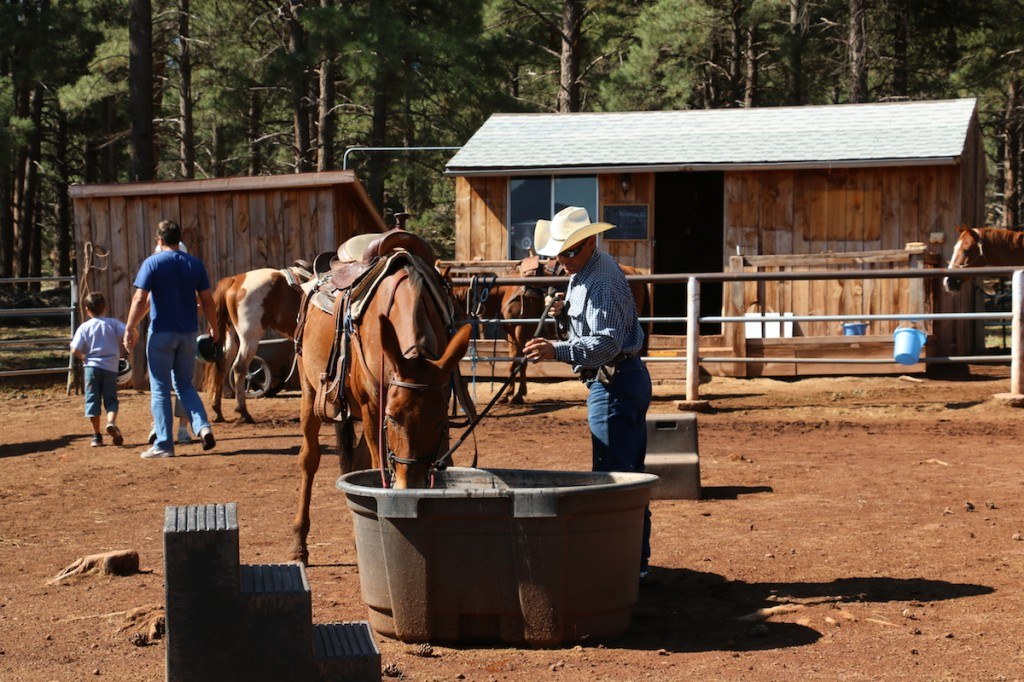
(602, 316)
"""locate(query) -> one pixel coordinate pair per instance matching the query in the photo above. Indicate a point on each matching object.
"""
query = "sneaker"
(152, 436)
(115, 434)
(155, 453)
(206, 435)
(97, 441)
(184, 437)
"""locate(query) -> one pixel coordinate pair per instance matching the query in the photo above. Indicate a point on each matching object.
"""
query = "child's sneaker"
(183, 436)
(155, 453)
(115, 434)
(97, 440)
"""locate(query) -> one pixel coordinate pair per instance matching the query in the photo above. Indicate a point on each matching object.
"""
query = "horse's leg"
(223, 366)
(521, 337)
(248, 344)
(309, 462)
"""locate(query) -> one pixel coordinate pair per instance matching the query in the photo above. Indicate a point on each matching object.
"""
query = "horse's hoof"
(218, 419)
(504, 399)
(517, 400)
(246, 417)
(300, 556)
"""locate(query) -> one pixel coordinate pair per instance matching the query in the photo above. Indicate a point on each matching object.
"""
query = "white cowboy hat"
(569, 226)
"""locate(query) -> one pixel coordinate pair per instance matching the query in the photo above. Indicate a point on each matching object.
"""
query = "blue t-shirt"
(172, 279)
(99, 339)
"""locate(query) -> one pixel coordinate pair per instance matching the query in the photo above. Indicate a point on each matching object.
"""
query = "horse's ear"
(390, 344)
(455, 350)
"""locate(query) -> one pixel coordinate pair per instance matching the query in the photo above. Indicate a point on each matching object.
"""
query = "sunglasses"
(572, 253)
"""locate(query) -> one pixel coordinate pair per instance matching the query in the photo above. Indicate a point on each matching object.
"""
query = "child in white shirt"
(97, 344)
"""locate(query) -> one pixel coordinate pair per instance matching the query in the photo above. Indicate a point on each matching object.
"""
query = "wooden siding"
(633, 252)
(481, 208)
(232, 224)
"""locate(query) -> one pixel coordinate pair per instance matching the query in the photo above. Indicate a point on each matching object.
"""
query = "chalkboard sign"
(630, 221)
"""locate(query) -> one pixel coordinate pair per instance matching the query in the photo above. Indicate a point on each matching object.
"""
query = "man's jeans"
(172, 359)
(617, 415)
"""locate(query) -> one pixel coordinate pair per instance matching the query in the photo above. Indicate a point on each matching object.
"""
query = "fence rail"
(28, 344)
(693, 318)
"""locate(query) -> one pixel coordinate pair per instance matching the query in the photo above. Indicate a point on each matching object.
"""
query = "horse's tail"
(220, 305)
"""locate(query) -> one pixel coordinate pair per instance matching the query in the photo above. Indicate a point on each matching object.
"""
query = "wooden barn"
(773, 189)
(232, 224)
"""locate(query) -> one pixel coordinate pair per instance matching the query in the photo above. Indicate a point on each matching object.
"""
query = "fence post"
(692, 339)
(1016, 348)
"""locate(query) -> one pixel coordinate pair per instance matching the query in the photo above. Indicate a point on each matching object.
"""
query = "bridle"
(974, 262)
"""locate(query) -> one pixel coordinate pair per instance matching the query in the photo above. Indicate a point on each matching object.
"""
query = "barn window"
(534, 198)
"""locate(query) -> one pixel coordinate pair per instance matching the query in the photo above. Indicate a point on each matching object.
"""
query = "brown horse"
(510, 302)
(525, 302)
(641, 296)
(400, 356)
(980, 246)
(248, 304)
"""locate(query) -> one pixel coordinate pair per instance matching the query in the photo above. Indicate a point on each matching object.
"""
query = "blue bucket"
(907, 344)
(855, 328)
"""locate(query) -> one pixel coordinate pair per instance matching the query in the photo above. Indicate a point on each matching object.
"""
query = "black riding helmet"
(207, 350)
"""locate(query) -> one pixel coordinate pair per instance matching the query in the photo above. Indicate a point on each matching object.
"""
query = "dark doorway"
(688, 215)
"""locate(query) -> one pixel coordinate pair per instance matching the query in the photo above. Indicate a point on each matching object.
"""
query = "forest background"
(137, 90)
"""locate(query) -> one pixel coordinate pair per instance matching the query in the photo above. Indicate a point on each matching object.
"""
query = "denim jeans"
(172, 359)
(100, 390)
(617, 415)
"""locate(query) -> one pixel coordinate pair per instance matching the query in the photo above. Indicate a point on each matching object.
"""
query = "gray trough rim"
(526, 502)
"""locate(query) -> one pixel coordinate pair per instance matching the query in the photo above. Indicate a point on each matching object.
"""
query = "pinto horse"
(396, 355)
(980, 246)
(248, 304)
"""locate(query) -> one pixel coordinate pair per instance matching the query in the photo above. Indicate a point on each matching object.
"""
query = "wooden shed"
(232, 224)
(789, 188)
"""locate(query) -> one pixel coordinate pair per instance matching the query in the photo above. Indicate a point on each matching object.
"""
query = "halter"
(973, 261)
(388, 457)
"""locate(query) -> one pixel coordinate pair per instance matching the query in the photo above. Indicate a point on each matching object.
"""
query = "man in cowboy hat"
(603, 345)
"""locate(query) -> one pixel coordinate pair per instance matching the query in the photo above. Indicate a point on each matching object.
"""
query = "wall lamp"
(626, 182)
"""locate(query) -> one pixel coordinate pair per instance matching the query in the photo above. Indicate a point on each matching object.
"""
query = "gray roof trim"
(698, 167)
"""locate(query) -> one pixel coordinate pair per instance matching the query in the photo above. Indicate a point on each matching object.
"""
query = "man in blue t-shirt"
(167, 284)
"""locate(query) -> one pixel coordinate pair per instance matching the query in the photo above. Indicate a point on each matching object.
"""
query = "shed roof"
(843, 135)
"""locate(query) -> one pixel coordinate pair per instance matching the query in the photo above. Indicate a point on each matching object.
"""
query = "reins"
(441, 462)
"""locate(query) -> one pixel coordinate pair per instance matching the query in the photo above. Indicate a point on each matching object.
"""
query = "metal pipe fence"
(693, 318)
(30, 344)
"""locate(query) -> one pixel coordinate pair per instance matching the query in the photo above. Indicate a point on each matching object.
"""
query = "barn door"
(688, 237)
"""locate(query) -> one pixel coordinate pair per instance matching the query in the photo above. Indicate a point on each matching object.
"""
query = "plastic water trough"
(518, 556)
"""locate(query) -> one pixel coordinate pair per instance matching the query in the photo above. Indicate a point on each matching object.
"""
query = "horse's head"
(415, 418)
(968, 252)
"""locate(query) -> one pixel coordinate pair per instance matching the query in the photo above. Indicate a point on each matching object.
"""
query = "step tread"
(201, 517)
(273, 578)
(343, 640)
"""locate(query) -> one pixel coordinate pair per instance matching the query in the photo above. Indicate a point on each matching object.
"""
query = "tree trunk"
(140, 87)
(900, 41)
(30, 243)
(186, 128)
(736, 52)
(255, 113)
(64, 243)
(375, 179)
(300, 92)
(795, 54)
(1011, 155)
(569, 62)
(325, 114)
(217, 147)
(858, 51)
(6, 223)
(750, 91)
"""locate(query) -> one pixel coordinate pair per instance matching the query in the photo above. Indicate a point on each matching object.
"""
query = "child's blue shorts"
(100, 386)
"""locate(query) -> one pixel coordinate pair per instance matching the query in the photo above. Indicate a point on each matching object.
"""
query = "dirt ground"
(879, 518)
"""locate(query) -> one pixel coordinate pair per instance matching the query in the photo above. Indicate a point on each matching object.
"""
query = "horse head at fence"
(641, 296)
(508, 302)
(983, 246)
(378, 348)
